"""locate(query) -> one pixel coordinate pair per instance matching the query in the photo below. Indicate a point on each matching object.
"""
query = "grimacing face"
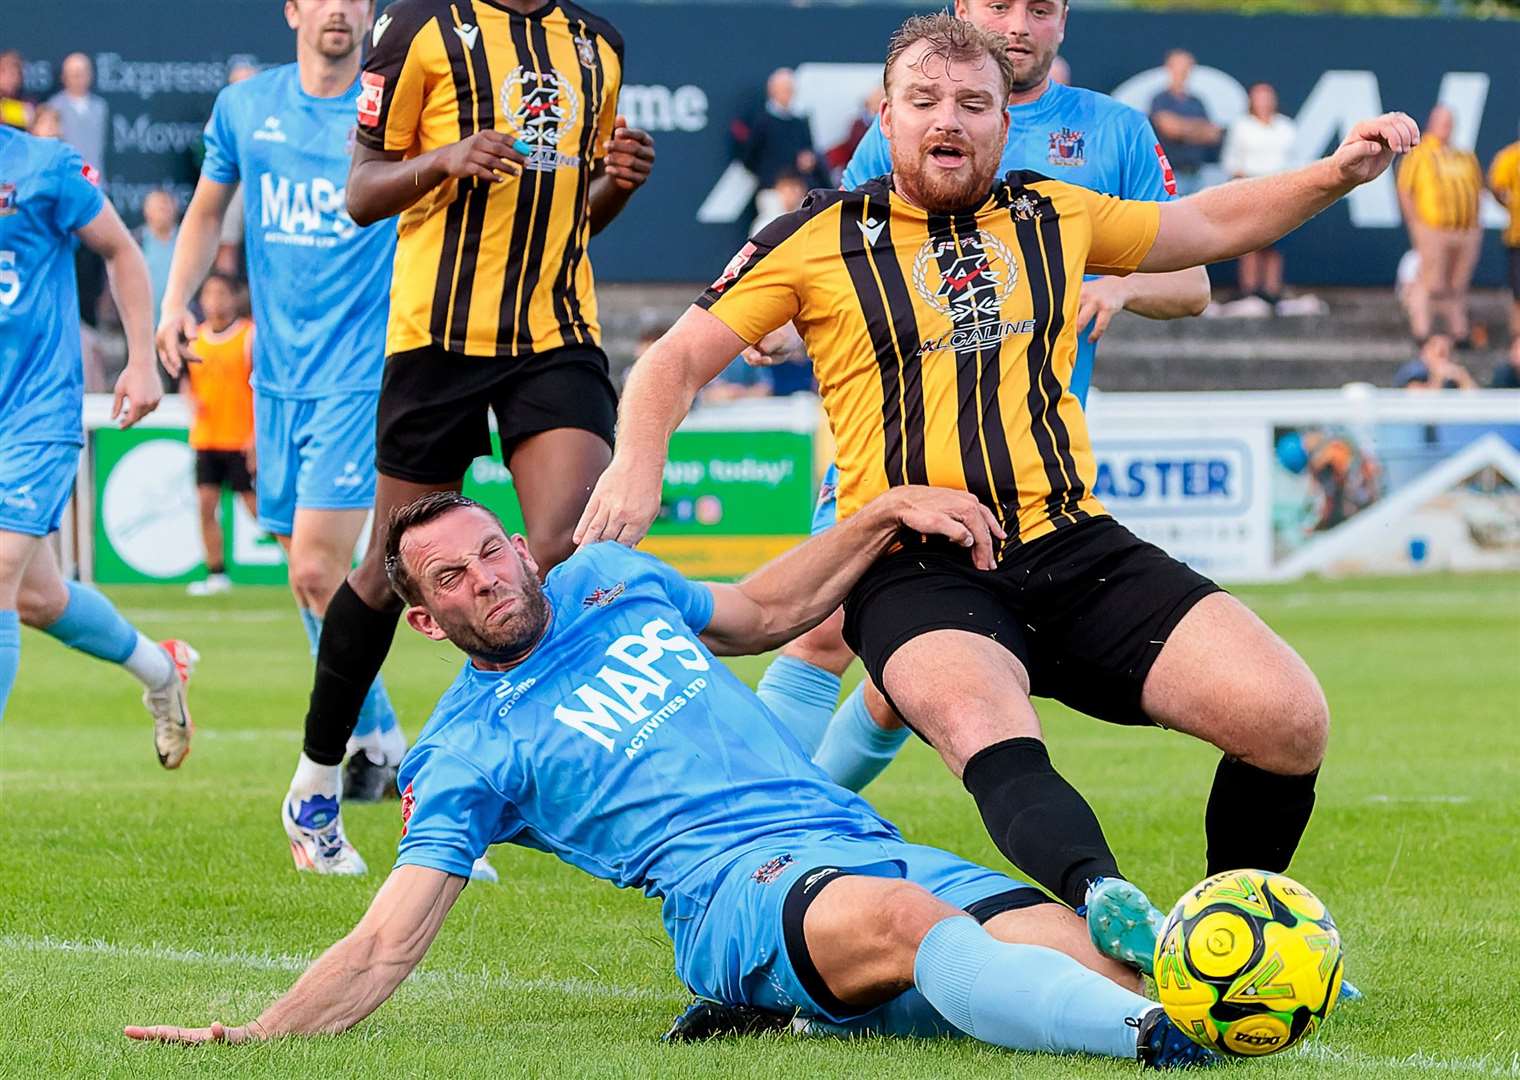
(1034, 30)
(332, 28)
(479, 586)
(947, 124)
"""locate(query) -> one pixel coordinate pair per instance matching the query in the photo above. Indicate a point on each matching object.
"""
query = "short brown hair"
(950, 39)
(419, 512)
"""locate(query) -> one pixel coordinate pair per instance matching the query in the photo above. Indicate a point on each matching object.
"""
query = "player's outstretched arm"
(797, 590)
(629, 161)
(656, 398)
(1179, 294)
(200, 234)
(354, 977)
(138, 390)
(1246, 215)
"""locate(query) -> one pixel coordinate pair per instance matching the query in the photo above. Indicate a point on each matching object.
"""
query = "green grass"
(128, 895)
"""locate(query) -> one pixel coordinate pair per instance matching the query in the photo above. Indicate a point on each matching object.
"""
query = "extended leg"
(553, 473)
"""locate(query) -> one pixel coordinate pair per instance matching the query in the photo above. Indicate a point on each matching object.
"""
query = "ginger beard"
(946, 124)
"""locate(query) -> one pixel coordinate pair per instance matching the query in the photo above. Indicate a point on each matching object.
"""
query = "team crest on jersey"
(602, 597)
(1025, 209)
(1068, 147)
(768, 872)
(8, 200)
(585, 52)
(541, 107)
(968, 282)
(408, 804)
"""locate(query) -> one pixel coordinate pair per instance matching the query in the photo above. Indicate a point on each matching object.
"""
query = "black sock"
(1255, 819)
(1038, 821)
(217, 567)
(355, 639)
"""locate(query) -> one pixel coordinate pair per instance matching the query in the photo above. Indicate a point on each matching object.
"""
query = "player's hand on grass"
(956, 515)
(138, 393)
(622, 505)
(216, 1033)
(1102, 299)
(1371, 146)
(172, 341)
(630, 155)
(486, 155)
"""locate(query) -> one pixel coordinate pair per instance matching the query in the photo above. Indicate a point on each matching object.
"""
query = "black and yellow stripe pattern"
(1444, 184)
(494, 269)
(944, 344)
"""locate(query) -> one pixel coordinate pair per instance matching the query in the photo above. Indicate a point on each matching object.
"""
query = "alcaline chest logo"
(541, 108)
(1068, 147)
(967, 281)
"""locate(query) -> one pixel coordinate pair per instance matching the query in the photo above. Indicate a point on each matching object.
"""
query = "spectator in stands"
(1507, 372)
(15, 107)
(159, 230)
(1060, 71)
(1260, 143)
(46, 123)
(1438, 188)
(1187, 134)
(839, 155)
(217, 387)
(83, 113)
(1435, 368)
(1504, 182)
(778, 140)
(782, 197)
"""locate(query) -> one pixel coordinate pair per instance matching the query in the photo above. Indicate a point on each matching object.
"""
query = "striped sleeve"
(393, 86)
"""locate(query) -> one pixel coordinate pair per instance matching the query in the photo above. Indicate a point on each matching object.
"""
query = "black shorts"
(1514, 270)
(1086, 610)
(223, 469)
(432, 416)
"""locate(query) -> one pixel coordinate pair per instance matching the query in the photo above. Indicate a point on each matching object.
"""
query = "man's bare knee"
(41, 603)
(863, 935)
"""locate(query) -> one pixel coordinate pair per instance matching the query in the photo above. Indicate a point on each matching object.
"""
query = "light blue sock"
(1024, 997)
(10, 655)
(91, 624)
(802, 695)
(855, 749)
(377, 719)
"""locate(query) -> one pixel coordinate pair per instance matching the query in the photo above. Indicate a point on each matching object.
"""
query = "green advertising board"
(732, 500)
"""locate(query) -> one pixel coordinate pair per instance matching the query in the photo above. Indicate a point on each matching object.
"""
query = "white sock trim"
(150, 663)
(314, 779)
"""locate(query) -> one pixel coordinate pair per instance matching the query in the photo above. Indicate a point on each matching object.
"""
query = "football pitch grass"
(131, 895)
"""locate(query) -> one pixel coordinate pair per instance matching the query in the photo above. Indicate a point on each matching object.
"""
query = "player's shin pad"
(355, 641)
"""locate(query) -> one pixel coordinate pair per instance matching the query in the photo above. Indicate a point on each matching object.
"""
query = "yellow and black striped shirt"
(944, 345)
(494, 269)
(1504, 176)
(1444, 184)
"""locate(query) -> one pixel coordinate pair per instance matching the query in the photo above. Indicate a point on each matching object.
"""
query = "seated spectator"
(781, 198)
(1187, 134)
(839, 155)
(1260, 143)
(1507, 372)
(15, 107)
(1434, 369)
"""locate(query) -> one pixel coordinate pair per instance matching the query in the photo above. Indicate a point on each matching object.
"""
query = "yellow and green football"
(1248, 963)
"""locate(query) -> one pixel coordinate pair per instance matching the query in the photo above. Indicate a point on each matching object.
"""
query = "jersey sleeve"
(1147, 172)
(872, 158)
(606, 120)
(221, 161)
(450, 812)
(393, 84)
(1123, 231)
(79, 198)
(758, 289)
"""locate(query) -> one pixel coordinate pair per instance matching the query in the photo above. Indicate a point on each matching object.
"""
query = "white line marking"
(1419, 1061)
(1447, 800)
(292, 964)
(187, 615)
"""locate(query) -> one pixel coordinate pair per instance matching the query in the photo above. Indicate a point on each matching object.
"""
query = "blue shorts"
(826, 509)
(749, 948)
(313, 454)
(36, 481)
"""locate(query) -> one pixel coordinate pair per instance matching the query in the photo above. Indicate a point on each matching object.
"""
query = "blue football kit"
(320, 289)
(622, 746)
(1070, 134)
(47, 193)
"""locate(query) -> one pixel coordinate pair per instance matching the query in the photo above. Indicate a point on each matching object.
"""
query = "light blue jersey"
(622, 746)
(47, 193)
(320, 284)
(1078, 136)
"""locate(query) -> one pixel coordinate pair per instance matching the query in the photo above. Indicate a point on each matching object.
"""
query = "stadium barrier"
(1245, 486)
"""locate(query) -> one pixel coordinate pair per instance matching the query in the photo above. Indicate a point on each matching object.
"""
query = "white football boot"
(172, 726)
(315, 827)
